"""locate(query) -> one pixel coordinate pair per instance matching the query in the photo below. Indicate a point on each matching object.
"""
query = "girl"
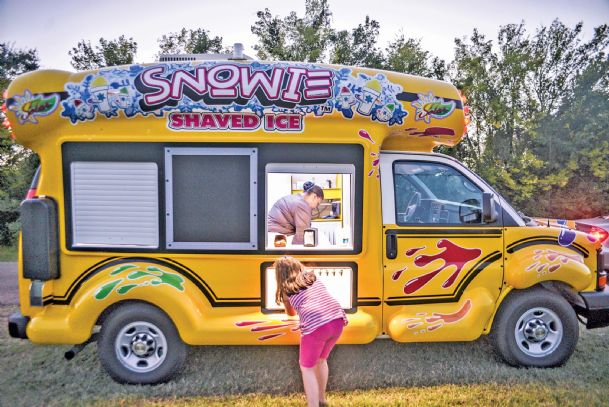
(321, 322)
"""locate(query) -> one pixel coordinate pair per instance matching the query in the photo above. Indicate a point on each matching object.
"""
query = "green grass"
(8, 253)
(381, 373)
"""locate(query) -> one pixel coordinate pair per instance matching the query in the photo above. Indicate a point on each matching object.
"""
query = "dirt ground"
(9, 294)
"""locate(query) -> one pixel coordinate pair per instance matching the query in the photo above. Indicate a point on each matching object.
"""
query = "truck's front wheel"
(139, 344)
(535, 328)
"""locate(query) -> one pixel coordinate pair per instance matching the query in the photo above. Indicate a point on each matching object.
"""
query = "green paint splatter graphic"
(106, 289)
(125, 288)
(151, 276)
(122, 268)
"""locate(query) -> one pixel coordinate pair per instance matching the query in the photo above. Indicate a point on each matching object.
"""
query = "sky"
(53, 27)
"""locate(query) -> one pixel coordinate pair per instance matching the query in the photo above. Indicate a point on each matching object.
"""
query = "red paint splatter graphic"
(364, 134)
(285, 325)
(549, 261)
(411, 252)
(436, 132)
(436, 320)
(398, 273)
(452, 255)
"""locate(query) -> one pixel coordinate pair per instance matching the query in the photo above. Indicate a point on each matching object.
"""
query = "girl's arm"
(288, 307)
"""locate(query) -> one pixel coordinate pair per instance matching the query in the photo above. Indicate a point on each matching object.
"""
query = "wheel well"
(564, 290)
(106, 312)
(558, 287)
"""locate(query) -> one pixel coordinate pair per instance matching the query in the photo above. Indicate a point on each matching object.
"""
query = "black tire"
(521, 322)
(158, 361)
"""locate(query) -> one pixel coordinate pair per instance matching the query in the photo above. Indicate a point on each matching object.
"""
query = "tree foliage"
(294, 38)
(408, 56)
(185, 41)
(14, 62)
(312, 38)
(120, 51)
(358, 47)
(537, 105)
(17, 165)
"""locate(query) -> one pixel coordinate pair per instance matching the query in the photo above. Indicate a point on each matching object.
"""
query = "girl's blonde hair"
(291, 276)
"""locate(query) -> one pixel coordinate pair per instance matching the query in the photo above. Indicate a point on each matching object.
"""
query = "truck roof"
(245, 101)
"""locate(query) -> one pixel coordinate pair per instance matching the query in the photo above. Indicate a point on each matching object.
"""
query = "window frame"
(311, 168)
(170, 243)
(73, 209)
(389, 158)
(439, 164)
(436, 163)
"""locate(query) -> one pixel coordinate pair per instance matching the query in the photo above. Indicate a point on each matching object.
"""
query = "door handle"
(392, 246)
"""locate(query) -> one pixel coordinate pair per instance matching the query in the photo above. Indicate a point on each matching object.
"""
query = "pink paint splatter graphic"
(591, 238)
(452, 255)
(424, 323)
(364, 134)
(548, 261)
(248, 323)
(376, 159)
(285, 325)
(375, 165)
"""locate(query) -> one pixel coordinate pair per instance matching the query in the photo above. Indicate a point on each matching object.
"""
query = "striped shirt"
(315, 307)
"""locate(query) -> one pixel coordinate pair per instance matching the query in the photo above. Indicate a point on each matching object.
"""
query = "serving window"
(211, 198)
(330, 225)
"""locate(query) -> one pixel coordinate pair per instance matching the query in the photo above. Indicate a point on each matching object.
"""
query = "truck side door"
(443, 265)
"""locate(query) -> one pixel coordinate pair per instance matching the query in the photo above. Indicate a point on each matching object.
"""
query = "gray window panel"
(115, 204)
(211, 198)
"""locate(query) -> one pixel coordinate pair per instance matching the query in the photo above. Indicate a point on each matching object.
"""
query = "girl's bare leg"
(311, 385)
(322, 378)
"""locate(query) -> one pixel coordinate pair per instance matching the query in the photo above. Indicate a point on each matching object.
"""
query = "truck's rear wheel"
(138, 344)
(535, 328)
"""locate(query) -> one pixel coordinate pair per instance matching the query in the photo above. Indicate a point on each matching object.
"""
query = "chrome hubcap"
(538, 332)
(141, 347)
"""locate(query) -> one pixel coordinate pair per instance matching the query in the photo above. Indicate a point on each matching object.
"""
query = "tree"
(120, 51)
(14, 62)
(17, 165)
(573, 142)
(197, 41)
(407, 55)
(358, 47)
(294, 38)
(519, 91)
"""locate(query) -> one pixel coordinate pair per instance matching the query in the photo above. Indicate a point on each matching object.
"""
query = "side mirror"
(489, 214)
(470, 211)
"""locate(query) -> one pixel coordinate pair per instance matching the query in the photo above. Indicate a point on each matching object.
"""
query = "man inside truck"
(291, 215)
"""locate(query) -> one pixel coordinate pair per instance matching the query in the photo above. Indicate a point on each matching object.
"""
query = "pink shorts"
(319, 343)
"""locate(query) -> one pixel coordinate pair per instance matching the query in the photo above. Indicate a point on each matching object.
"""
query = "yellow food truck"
(146, 226)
